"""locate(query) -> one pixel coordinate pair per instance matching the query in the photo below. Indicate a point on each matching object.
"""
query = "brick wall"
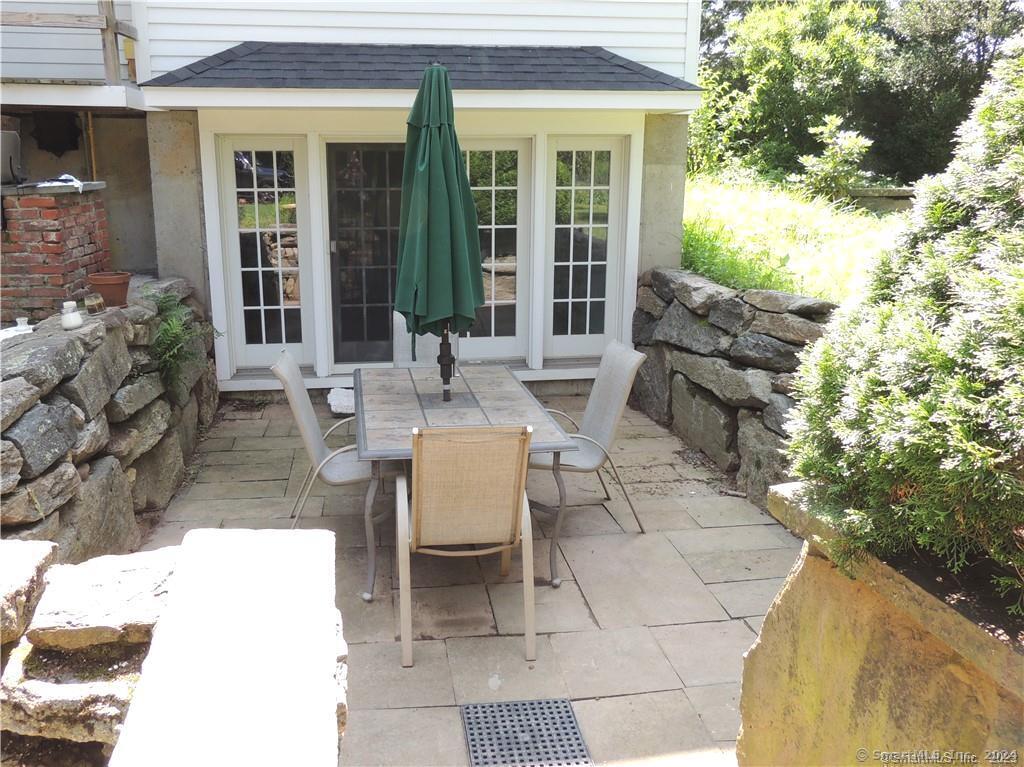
(50, 244)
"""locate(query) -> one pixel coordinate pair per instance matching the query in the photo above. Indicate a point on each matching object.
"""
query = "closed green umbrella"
(440, 283)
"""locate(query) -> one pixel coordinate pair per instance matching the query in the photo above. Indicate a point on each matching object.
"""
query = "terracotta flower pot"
(113, 286)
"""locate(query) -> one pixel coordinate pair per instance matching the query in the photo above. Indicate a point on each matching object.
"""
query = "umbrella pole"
(447, 363)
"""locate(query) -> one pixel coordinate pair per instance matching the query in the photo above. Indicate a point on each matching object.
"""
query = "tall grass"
(747, 233)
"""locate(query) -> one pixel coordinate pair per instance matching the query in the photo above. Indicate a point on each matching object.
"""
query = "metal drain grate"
(524, 733)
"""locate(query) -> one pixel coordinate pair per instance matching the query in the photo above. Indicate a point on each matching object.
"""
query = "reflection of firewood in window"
(290, 288)
(285, 252)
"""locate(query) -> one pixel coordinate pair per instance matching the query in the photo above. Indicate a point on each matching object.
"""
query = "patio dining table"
(391, 402)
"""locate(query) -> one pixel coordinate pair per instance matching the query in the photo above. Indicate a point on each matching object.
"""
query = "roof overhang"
(76, 96)
(164, 97)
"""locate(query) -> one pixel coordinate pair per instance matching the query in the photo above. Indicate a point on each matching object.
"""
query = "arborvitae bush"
(910, 425)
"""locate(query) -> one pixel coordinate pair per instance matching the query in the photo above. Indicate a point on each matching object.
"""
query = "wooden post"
(108, 36)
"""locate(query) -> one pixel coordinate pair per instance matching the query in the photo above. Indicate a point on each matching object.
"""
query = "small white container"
(70, 317)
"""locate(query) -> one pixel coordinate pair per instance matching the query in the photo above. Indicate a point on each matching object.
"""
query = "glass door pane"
(364, 190)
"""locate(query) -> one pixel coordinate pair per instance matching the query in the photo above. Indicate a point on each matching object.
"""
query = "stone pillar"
(661, 206)
(178, 198)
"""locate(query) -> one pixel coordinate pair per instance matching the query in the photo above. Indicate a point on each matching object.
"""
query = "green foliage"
(747, 232)
(791, 65)
(174, 345)
(911, 414)
(832, 173)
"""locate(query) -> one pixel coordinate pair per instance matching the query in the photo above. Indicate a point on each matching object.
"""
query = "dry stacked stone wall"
(720, 365)
(92, 434)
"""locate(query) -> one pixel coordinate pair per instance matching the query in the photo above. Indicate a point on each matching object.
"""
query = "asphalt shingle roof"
(400, 67)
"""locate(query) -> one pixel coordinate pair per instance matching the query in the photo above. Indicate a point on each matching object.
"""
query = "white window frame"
(592, 344)
(246, 355)
(510, 347)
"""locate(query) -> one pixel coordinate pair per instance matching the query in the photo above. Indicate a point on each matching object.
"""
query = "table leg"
(556, 469)
(371, 543)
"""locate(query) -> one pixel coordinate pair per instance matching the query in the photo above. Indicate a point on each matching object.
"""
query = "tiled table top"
(390, 402)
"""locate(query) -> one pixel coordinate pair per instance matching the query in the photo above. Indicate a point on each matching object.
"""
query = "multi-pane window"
(268, 239)
(364, 197)
(582, 180)
(493, 177)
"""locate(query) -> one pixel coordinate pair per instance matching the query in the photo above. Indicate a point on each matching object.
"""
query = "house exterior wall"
(177, 183)
(52, 53)
(659, 33)
(664, 182)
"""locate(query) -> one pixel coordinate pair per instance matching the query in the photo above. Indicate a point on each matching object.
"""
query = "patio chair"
(427, 347)
(619, 365)
(468, 488)
(332, 467)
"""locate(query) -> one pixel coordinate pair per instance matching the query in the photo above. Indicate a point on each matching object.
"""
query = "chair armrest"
(592, 441)
(564, 415)
(333, 454)
(339, 423)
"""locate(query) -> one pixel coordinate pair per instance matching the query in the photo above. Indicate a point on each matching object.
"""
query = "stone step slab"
(22, 565)
(112, 599)
(76, 706)
(41, 497)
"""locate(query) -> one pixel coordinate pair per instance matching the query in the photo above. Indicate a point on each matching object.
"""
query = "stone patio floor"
(645, 636)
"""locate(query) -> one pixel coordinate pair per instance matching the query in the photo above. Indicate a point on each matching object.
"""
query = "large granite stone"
(813, 308)
(643, 328)
(652, 391)
(191, 371)
(786, 327)
(158, 474)
(100, 376)
(41, 497)
(134, 395)
(10, 466)
(731, 314)
(43, 360)
(188, 427)
(59, 697)
(698, 293)
(777, 413)
(704, 422)
(762, 461)
(763, 351)
(132, 438)
(649, 301)
(784, 383)
(207, 394)
(106, 600)
(100, 520)
(44, 530)
(168, 286)
(144, 322)
(43, 435)
(664, 281)
(22, 564)
(732, 384)
(681, 327)
(91, 439)
(770, 300)
(142, 360)
(16, 396)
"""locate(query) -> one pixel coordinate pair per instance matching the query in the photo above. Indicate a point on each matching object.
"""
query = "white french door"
(583, 260)
(265, 210)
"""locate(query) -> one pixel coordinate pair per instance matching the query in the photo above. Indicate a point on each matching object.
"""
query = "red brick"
(37, 202)
(53, 236)
(47, 269)
(17, 214)
(40, 225)
(25, 236)
(48, 213)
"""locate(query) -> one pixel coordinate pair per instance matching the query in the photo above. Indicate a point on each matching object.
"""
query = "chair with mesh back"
(468, 488)
(337, 467)
(594, 434)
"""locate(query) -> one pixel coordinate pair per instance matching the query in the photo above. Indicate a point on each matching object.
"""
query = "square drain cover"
(524, 733)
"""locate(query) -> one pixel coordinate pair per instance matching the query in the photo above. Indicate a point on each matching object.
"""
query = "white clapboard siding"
(52, 53)
(652, 32)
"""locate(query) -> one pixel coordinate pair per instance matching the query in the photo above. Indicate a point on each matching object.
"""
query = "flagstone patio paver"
(706, 653)
(633, 619)
(599, 664)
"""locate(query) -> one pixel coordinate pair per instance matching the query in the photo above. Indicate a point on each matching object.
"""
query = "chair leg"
(506, 562)
(607, 495)
(300, 500)
(615, 473)
(529, 617)
(404, 576)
